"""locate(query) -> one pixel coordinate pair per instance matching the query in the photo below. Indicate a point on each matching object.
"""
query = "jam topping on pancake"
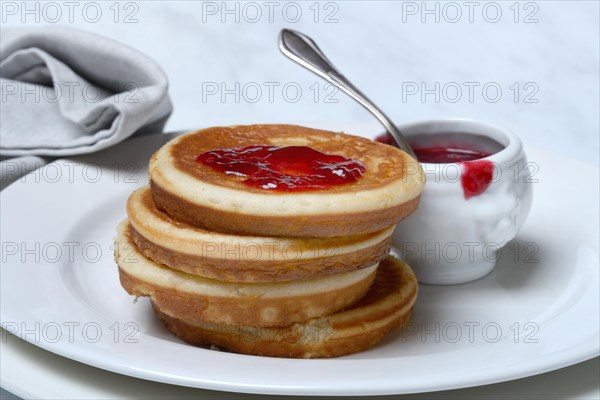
(286, 169)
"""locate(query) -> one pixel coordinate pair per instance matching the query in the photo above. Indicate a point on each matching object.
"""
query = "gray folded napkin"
(66, 91)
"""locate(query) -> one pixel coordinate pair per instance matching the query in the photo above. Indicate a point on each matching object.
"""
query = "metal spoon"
(303, 50)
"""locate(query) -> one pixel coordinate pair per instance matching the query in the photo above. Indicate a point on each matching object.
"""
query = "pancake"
(199, 299)
(190, 192)
(235, 258)
(386, 306)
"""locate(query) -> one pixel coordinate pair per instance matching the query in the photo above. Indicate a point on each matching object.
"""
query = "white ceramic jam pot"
(469, 209)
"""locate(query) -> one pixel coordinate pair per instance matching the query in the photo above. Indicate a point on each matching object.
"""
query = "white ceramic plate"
(538, 310)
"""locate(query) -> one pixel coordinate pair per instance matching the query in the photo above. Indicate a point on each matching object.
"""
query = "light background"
(384, 47)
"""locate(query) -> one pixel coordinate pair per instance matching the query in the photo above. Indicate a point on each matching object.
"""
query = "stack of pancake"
(283, 273)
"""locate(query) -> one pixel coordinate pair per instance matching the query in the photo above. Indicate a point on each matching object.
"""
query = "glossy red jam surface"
(443, 155)
(440, 154)
(286, 169)
(476, 175)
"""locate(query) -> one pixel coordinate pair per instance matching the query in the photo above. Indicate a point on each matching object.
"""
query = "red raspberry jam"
(443, 155)
(285, 169)
(476, 175)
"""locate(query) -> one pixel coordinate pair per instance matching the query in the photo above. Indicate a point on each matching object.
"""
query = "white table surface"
(398, 54)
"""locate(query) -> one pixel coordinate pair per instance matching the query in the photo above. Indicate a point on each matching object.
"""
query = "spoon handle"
(303, 50)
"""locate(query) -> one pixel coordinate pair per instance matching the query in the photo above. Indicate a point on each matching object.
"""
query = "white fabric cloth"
(66, 91)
